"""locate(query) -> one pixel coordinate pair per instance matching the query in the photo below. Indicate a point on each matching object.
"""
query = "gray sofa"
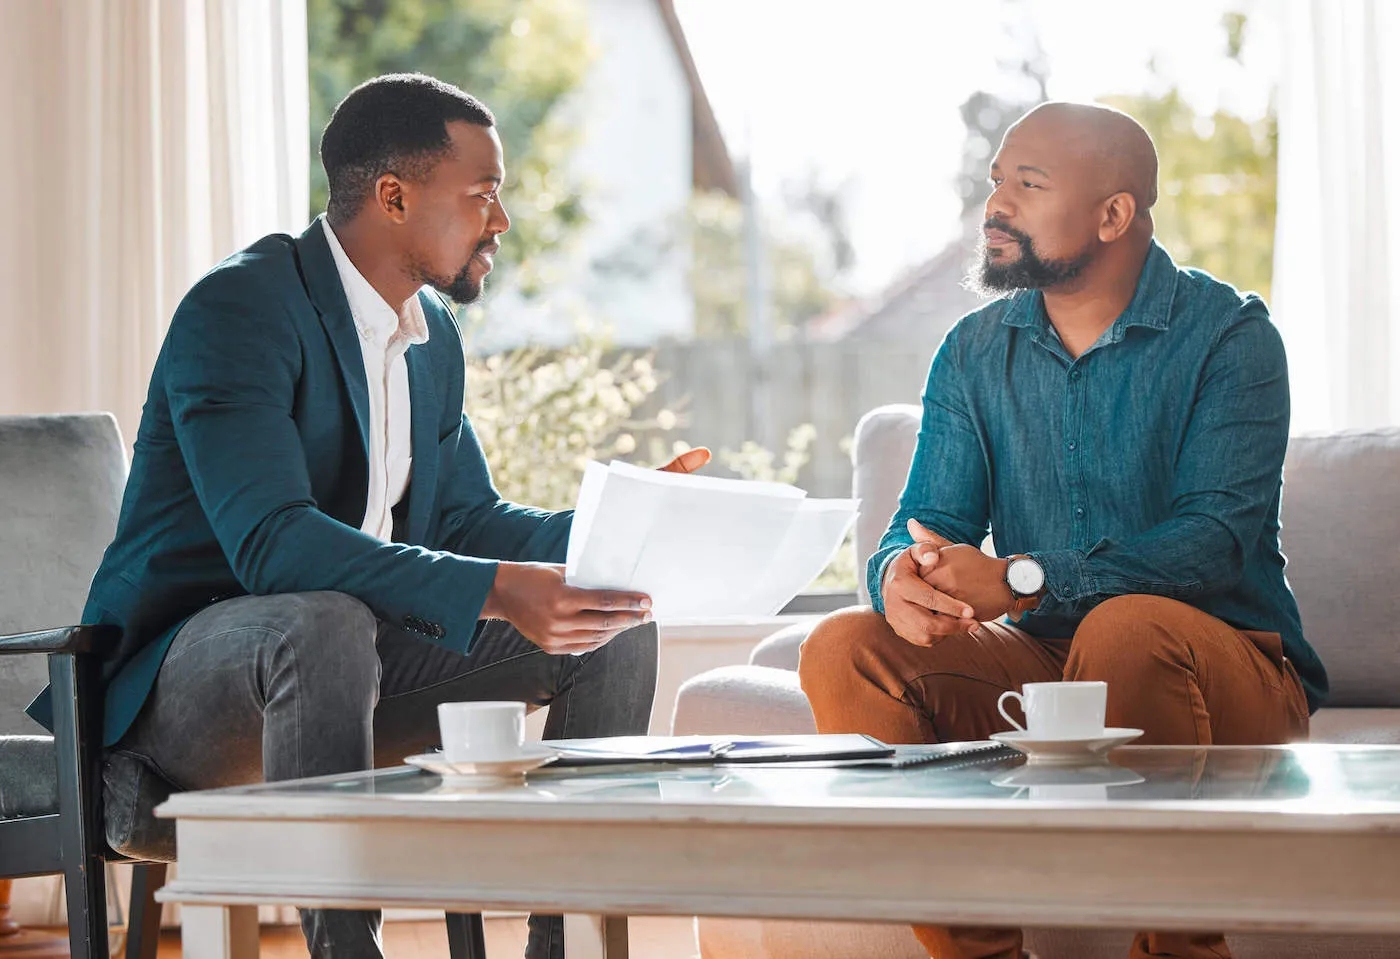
(1341, 516)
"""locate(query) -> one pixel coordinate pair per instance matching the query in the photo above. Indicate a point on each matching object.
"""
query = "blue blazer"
(250, 473)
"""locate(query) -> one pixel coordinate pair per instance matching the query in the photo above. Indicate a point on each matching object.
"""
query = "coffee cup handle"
(1001, 707)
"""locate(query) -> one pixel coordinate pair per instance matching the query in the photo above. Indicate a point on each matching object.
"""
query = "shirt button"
(1073, 444)
(1074, 375)
(1079, 511)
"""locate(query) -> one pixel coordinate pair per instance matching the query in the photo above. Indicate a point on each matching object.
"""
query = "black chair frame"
(72, 842)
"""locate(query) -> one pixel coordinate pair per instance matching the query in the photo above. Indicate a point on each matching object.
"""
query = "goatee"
(1029, 271)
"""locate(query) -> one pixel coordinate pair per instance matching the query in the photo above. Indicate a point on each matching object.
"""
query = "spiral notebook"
(713, 750)
(946, 755)
(808, 751)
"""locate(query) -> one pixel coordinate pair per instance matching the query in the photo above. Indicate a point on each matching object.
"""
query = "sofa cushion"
(28, 777)
(1357, 726)
(755, 700)
(61, 480)
(1341, 524)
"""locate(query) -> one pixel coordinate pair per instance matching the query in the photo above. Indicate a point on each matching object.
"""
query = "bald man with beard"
(1120, 423)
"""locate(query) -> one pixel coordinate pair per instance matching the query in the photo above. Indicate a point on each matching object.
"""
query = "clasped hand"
(936, 588)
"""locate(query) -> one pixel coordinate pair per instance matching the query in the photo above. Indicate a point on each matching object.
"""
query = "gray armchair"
(61, 483)
(61, 480)
(1341, 524)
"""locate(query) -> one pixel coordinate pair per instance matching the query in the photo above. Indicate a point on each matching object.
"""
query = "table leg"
(595, 937)
(219, 932)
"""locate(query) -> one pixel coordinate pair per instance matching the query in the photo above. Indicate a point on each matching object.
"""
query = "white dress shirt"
(385, 335)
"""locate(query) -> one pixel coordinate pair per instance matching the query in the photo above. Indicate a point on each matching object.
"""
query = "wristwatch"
(1026, 580)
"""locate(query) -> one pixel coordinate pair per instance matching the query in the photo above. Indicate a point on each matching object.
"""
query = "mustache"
(997, 223)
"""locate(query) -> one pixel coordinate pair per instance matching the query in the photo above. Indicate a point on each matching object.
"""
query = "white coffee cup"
(1059, 710)
(481, 732)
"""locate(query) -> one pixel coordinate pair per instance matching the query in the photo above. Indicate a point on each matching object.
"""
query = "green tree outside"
(523, 58)
(1217, 187)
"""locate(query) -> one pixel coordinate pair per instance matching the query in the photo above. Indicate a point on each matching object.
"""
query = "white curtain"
(146, 140)
(1337, 250)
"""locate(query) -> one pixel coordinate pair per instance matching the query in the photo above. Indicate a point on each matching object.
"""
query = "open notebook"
(829, 750)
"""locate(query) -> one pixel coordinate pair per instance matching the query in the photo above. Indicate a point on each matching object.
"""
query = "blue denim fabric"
(1151, 464)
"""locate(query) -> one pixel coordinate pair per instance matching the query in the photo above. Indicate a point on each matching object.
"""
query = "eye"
(1029, 185)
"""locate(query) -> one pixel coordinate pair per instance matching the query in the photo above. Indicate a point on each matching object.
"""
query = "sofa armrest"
(752, 700)
(782, 649)
(68, 639)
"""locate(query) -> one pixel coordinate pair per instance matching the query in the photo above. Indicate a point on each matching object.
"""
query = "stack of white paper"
(702, 548)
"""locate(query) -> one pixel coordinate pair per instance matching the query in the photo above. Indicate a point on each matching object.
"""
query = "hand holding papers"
(702, 548)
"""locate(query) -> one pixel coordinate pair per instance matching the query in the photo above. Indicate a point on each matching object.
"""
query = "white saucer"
(531, 756)
(1066, 752)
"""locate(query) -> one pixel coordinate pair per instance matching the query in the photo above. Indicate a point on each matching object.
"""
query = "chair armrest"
(69, 639)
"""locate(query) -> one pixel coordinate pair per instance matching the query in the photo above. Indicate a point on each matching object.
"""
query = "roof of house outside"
(713, 167)
(917, 309)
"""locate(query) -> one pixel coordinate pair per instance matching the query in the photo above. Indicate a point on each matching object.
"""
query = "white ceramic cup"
(1059, 710)
(481, 732)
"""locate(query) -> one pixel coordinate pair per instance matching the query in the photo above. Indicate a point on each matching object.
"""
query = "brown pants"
(1181, 675)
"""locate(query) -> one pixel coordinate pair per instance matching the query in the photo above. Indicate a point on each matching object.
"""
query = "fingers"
(922, 627)
(607, 600)
(925, 556)
(922, 594)
(689, 461)
(579, 648)
(593, 622)
(922, 534)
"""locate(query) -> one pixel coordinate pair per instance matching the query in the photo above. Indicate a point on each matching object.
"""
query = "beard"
(462, 288)
(1029, 271)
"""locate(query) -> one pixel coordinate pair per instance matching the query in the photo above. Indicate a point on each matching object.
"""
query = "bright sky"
(868, 94)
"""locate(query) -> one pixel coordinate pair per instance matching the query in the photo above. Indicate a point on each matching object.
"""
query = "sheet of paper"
(703, 548)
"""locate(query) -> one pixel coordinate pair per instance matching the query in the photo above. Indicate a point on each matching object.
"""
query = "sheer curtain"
(148, 139)
(145, 141)
(1337, 250)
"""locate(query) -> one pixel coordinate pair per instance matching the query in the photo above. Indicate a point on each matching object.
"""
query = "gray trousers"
(265, 688)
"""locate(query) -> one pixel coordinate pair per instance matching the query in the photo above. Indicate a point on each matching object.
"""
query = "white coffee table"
(1302, 838)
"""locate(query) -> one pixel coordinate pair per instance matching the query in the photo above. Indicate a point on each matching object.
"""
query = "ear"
(1118, 214)
(389, 197)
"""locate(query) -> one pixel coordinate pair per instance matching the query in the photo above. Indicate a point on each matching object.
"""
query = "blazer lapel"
(328, 296)
(424, 413)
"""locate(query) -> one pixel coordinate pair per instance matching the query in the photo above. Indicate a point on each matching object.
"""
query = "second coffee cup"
(1071, 710)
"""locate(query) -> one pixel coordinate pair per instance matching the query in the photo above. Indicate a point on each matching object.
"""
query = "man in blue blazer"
(310, 554)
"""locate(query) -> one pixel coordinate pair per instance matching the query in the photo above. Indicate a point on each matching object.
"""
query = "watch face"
(1025, 577)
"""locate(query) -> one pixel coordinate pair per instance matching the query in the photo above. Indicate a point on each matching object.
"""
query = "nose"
(998, 205)
(500, 219)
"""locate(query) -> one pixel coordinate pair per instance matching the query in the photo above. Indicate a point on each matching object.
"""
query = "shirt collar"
(1151, 305)
(374, 318)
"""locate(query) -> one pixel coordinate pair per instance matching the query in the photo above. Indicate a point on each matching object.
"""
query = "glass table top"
(1332, 780)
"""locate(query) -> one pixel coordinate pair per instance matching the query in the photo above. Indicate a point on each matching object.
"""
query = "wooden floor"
(650, 938)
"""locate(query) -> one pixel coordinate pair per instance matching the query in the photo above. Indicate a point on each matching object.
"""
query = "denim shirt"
(1151, 464)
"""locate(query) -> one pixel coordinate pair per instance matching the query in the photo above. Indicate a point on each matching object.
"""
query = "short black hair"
(396, 124)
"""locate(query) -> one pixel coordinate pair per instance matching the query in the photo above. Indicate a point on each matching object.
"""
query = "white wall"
(635, 156)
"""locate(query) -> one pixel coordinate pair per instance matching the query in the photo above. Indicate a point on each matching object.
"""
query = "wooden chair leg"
(466, 935)
(143, 926)
(25, 943)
